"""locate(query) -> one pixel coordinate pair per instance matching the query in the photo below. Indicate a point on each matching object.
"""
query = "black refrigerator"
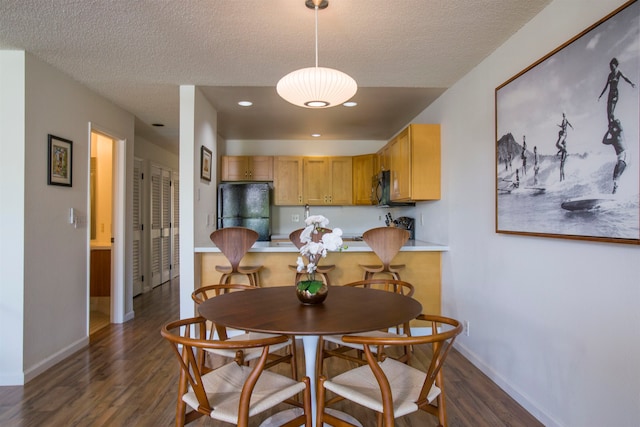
(245, 205)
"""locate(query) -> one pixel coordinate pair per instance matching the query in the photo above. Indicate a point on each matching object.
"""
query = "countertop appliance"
(381, 191)
(408, 224)
(245, 205)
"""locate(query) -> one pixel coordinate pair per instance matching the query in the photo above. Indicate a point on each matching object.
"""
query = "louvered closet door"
(156, 225)
(137, 227)
(175, 227)
(166, 226)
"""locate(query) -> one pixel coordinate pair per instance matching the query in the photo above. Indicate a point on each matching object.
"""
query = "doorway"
(101, 230)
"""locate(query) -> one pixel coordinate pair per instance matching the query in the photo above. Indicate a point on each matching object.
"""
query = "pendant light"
(316, 87)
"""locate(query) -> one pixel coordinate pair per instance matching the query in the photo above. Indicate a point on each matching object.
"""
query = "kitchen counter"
(352, 246)
(422, 261)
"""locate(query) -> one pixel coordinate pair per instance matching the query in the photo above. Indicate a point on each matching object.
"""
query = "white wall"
(55, 255)
(151, 152)
(554, 322)
(198, 127)
(12, 124)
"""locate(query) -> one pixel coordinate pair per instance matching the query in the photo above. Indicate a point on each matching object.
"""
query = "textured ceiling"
(138, 53)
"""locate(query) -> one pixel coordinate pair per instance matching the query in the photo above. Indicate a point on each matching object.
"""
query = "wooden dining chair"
(234, 243)
(243, 356)
(385, 243)
(335, 346)
(390, 388)
(233, 393)
(322, 270)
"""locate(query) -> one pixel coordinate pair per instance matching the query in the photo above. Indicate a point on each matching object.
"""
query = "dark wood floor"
(128, 377)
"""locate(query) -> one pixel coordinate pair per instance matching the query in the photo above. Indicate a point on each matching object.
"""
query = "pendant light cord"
(316, 9)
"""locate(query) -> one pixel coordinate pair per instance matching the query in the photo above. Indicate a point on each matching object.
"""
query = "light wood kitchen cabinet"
(287, 180)
(414, 156)
(383, 158)
(328, 180)
(247, 168)
(363, 170)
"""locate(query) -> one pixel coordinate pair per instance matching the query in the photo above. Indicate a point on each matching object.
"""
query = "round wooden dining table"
(277, 310)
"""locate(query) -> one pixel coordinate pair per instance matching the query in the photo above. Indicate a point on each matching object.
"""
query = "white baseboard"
(130, 315)
(524, 400)
(47, 363)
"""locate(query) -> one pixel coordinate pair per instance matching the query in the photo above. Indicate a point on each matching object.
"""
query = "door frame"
(118, 218)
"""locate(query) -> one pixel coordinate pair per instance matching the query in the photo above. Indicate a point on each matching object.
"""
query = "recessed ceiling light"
(316, 135)
(245, 103)
(350, 104)
(158, 125)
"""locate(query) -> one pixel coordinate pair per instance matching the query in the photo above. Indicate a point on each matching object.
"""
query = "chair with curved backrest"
(234, 243)
(234, 392)
(321, 269)
(242, 356)
(390, 388)
(344, 350)
(386, 243)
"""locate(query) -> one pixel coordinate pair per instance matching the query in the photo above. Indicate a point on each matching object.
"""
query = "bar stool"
(234, 243)
(322, 270)
(386, 243)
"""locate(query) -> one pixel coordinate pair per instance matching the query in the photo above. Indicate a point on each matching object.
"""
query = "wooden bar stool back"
(234, 243)
(385, 243)
(322, 270)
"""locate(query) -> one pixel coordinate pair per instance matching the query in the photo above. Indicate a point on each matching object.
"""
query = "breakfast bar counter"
(422, 262)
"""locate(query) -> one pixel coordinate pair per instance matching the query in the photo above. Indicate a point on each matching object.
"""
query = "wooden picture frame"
(205, 163)
(60, 161)
(567, 148)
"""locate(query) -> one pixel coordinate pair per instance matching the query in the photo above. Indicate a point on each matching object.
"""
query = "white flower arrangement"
(314, 249)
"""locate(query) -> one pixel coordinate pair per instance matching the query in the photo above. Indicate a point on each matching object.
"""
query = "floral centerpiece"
(316, 243)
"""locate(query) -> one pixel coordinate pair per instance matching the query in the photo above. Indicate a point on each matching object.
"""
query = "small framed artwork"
(60, 161)
(205, 163)
(568, 138)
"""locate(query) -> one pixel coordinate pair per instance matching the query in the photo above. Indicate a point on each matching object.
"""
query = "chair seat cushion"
(249, 353)
(359, 385)
(337, 339)
(223, 387)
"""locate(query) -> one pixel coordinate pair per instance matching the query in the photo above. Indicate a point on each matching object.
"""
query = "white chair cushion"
(223, 387)
(249, 353)
(360, 386)
(337, 339)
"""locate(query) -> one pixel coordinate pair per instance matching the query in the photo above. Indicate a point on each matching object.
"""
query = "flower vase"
(311, 291)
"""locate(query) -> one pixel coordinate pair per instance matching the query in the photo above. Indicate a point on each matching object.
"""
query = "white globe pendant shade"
(317, 87)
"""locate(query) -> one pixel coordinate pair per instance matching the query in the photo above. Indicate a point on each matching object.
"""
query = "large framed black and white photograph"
(59, 161)
(567, 138)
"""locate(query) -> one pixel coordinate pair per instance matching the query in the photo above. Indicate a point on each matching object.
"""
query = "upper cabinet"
(364, 167)
(312, 180)
(414, 159)
(247, 168)
(287, 180)
(327, 180)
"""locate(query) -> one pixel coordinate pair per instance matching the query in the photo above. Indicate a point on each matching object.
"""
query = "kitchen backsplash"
(353, 220)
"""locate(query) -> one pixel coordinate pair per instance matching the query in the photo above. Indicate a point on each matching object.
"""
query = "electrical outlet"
(295, 218)
(421, 219)
(466, 327)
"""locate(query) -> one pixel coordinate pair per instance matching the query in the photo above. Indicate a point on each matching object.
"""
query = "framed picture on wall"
(567, 138)
(205, 163)
(60, 161)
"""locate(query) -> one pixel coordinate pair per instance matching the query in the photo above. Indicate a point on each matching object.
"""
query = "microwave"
(381, 191)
